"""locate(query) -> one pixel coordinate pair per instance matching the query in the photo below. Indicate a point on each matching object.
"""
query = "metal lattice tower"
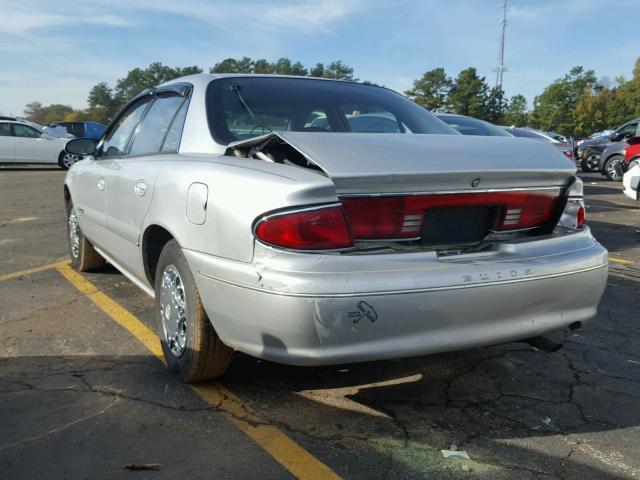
(500, 69)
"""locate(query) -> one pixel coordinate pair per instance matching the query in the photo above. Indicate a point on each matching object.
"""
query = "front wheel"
(613, 168)
(190, 344)
(66, 160)
(590, 163)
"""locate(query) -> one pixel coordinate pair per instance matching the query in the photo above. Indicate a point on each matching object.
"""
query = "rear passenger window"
(172, 142)
(5, 130)
(155, 125)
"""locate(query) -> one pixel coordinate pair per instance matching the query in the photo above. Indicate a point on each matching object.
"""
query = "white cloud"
(23, 22)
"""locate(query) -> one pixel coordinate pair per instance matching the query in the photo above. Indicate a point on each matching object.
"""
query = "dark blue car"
(77, 129)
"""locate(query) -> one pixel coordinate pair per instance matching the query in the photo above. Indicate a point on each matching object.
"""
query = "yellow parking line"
(29, 271)
(621, 260)
(283, 449)
(113, 309)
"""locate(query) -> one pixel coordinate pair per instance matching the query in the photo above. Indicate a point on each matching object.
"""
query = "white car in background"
(22, 142)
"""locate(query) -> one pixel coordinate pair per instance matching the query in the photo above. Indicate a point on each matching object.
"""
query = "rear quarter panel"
(239, 191)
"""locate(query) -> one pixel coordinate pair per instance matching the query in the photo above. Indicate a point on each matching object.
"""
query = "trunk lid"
(396, 163)
(393, 163)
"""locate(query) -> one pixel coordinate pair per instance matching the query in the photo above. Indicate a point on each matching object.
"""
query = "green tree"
(284, 67)
(55, 112)
(516, 112)
(339, 71)
(431, 90)
(263, 66)
(317, 71)
(34, 111)
(590, 113)
(102, 104)
(232, 65)
(554, 108)
(495, 105)
(468, 95)
(140, 79)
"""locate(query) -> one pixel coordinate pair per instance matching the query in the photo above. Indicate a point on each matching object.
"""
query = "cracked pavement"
(81, 398)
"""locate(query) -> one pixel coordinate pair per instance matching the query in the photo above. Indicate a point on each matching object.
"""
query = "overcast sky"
(54, 51)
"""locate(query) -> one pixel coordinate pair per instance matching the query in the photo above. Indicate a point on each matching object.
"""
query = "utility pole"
(500, 69)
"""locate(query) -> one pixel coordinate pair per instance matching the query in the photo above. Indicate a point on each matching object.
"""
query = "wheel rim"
(592, 161)
(68, 160)
(173, 310)
(74, 234)
(612, 169)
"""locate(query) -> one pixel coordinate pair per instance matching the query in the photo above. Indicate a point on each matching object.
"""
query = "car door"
(90, 177)
(132, 177)
(7, 143)
(34, 146)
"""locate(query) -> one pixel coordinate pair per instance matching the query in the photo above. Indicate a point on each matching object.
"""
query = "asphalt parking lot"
(83, 394)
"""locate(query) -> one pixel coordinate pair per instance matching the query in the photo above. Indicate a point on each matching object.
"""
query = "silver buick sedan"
(310, 222)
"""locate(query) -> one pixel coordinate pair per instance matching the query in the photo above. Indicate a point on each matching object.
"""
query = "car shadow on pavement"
(518, 413)
(23, 168)
(616, 236)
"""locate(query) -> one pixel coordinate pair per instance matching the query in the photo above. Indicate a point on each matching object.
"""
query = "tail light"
(574, 214)
(321, 228)
(402, 217)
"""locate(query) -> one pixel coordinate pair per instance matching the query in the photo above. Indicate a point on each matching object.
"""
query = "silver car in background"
(312, 222)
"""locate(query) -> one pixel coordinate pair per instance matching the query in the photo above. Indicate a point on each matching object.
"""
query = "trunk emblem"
(475, 182)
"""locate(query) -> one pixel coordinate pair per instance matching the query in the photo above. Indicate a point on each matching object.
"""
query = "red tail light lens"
(318, 229)
(580, 218)
(402, 216)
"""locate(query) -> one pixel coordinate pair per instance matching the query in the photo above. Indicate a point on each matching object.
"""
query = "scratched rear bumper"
(309, 309)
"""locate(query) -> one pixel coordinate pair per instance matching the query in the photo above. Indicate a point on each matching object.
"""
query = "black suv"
(590, 152)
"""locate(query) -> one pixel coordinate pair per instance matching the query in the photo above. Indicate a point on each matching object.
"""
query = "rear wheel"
(66, 160)
(84, 257)
(190, 344)
(613, 168)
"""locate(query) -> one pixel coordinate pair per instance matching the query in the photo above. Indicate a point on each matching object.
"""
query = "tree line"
(576, 104)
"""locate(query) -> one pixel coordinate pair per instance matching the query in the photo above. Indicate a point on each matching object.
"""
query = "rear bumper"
(309, 309)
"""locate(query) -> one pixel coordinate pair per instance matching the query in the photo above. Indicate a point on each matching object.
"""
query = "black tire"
(84, 258)
(204, 356)
(612, 168)
(584, 164)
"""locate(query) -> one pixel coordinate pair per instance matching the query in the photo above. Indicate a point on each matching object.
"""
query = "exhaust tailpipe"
(543, 344)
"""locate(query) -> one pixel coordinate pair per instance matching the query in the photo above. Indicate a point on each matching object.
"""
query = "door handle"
(140, 189)
(100, 184)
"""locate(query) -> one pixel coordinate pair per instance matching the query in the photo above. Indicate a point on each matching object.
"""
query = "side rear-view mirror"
(81, 146)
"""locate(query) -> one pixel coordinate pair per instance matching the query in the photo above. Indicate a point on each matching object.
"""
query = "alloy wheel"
(173, 309)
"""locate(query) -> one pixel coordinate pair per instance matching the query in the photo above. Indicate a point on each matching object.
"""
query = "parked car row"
(605, 153)
(24, 142)
(474, 126)
(313, 221)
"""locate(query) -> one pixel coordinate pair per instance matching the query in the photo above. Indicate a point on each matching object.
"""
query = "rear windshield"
(521, 132)
(473, 126)
(243, 107)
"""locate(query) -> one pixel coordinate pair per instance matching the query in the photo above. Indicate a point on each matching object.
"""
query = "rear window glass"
(473, 126)
(521, 132)
(245, 107)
